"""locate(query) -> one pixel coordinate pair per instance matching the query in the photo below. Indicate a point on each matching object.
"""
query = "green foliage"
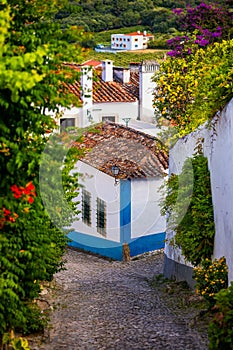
(211, 277)
(214, 88)
(32, 54)
(192, 89)
(123, 59)
(195, 82)
(221, 327)
(16, 343)
(20, 344)
(57, 162)
(188, 203)
(36, 320)
(99, 15)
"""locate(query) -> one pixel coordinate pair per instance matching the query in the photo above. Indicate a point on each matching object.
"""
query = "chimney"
(107, 70)
(126, 76)
(138, 32)
(144, 32)
(122, 74)
(86, 85)
(146, 88)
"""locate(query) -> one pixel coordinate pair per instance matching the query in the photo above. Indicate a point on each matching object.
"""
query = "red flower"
(6, 212)
(28, 190)
(17, 192)
(30, 200)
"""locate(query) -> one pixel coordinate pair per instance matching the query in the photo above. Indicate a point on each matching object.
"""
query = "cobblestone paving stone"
(105, 305)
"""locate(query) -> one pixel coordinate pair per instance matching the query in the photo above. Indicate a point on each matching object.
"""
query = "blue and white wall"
(132, 215)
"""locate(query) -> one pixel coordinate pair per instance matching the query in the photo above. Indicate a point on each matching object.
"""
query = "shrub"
(221, 327)
(188, 202)
(211, 277)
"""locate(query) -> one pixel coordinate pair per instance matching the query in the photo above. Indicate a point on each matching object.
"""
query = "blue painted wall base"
(113, 250)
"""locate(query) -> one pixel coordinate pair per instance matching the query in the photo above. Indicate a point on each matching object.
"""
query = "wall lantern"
(115, 172)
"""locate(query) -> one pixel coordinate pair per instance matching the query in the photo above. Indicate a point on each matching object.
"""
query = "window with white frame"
(86, 207)
(101, 217)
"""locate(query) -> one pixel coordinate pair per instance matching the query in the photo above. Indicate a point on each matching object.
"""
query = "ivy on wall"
(190, 193)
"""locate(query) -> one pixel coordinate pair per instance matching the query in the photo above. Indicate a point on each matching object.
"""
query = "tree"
(194, 81)
(32, 76)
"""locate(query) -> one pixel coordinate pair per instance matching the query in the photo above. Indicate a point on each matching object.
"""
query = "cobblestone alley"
(104, 305)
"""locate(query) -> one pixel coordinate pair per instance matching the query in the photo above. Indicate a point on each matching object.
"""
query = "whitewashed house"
(116, 94)
(122, 207)
(131, 42)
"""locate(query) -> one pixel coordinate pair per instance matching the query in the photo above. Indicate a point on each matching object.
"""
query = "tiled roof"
(113, 91)
(74, 66)
(137, 155)
(133, 86)
(75, 89)
(141, 33)
(92, 63)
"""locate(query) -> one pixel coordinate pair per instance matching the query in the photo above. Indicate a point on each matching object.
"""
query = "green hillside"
(100, 15)
(123, 59)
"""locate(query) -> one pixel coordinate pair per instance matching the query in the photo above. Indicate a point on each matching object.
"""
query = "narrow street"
(103, 305)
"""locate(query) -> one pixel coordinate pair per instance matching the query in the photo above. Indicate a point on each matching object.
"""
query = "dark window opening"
(101, 217)
(108, 118)
(86, 207)
(66, 123)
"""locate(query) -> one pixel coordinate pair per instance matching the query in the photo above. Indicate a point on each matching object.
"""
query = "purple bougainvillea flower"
(177, 11)
(216, 34)
(202, 42)
(172, 53)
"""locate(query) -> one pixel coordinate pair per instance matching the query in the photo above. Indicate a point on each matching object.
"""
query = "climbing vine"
(190, 90)
(195, 81)
(194, 230)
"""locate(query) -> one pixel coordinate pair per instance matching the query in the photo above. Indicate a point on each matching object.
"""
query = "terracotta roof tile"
(114, 91)
(141, 33)
(92, 63)
(133, 86)
(111, 92)
(137, 154)
(108, 91)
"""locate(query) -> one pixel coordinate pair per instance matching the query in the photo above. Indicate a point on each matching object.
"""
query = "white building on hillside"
(132, 41)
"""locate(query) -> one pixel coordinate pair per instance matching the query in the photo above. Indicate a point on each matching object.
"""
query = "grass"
(124, 58)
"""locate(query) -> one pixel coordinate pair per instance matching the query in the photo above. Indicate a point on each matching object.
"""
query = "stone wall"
(218, 148)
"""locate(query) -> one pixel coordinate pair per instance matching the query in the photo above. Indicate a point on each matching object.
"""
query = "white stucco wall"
(145, 211)
(100, 186)
(85, 116)
(218, 148)
(127, 42)
(146, 90)
(117, 109)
